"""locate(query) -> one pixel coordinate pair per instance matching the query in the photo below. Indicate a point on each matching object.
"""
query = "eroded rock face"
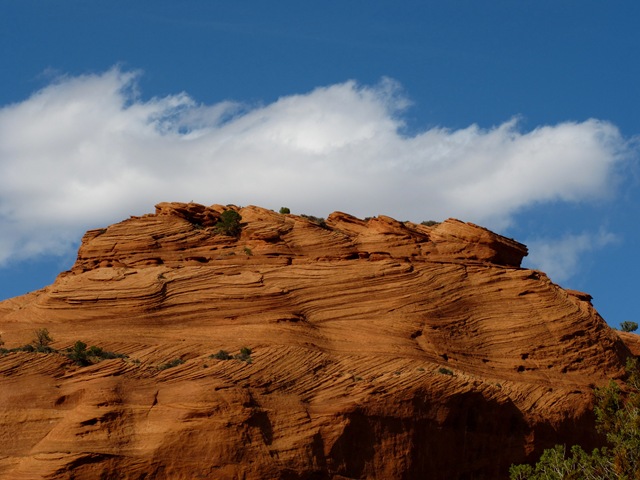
(380, 349)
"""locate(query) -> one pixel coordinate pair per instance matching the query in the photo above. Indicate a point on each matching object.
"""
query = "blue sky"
(519, 116)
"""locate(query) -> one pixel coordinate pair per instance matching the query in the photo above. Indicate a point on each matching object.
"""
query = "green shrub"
(99, 353)
(42, 341)
(317, 220)
(616, 417)
(229, 223)
(244, 355)
(222, 355)
(78, 353)
(173, 363)
(628, 326)
(284, 210)
(83, 357)
(445, 371)
(429, 223)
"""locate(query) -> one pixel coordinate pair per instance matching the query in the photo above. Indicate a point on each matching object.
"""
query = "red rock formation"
(380, 349)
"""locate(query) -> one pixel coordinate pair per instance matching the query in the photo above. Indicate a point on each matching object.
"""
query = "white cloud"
(563, 258)
(87, 151)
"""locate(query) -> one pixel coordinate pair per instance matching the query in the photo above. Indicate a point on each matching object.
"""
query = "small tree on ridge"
(628, 326)
(229, 223)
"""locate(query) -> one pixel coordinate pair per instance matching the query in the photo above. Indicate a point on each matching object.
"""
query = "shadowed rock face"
(380, 349)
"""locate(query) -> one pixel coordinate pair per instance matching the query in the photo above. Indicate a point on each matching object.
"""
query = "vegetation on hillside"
(317, 220)
(229, 223)
(628, 326)
(618, 418)
(78, 353)
(244, 355)
(83, 356)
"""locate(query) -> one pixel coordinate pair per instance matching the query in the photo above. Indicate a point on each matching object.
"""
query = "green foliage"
(173, 363)
(248, 252)
(429, 223)
(229, 223)
(445, 371)
(555, 464)
(42, 338)
(97, 352)
(222, 355)
(42, 341)
(82, 356)
(284, 210)
(78, 353)
(628, 326)
(618, 417)
(317, 220)
(244, 355)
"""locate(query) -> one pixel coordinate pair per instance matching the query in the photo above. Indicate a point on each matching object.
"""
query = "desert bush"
(229, 223)
(99, 353)
(222, 355)
(317, 220)
(445, 371)
(78, 353)
(244, 355)
(42, 341)
(173, 363)
(628, 326)
(284, 210)
(429, 223)
(554, 464)
(618, 418)
(83, 356)
(36, 345)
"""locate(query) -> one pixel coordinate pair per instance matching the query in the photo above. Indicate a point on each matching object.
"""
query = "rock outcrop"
(379, 349)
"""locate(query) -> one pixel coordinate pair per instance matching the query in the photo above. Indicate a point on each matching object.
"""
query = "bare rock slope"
(379, 349)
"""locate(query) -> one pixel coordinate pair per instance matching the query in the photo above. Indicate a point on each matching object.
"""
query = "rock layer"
(380, 349)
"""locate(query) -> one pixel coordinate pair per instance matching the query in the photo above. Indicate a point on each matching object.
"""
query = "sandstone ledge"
(380, 349)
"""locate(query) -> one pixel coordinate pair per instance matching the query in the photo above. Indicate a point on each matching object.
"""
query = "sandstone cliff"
(379, 350)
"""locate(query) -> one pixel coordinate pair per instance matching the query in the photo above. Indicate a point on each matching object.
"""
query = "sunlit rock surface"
(380, 350)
